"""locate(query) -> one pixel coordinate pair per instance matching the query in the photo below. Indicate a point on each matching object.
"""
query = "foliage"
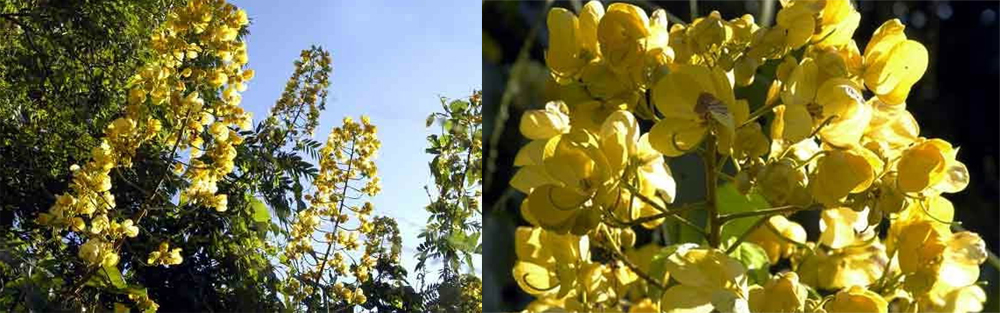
(841, 142)
(453, 229)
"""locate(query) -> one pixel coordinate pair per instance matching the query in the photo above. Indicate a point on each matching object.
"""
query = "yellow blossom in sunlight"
(842, 172)
(856, 299)
(546, 123)
(621, 34)
(893, 63)
(779, 237)
(564, 54)
(860, 263)
(783, 293)
(690, 98)
(929, 167)
(707, 279)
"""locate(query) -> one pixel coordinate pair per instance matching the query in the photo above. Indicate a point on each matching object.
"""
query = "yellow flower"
(837, 21)
(625, 151)
(936, 261)
(689, 98)
(841, 227)
(795, 26)
(165, 256)
(783, 293)
(781, 183)
(929, 167)
(547, 262)
(129, 229)
(849, 115)
(777, 245)
(545, 123)
(708, 33)
(857, 299)
(936, 209)
(891, 129)
(893, 63)
(857, 264)
(622, 36)
(843, 172)
(750, 142)
(564, 56)
(798, 22)
(707, 279)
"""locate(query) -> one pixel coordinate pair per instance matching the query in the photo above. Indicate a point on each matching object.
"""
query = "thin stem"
(645, 276)
(667, 213)
(747, 233)
(758, 113)
(711, 179)
(768, 211)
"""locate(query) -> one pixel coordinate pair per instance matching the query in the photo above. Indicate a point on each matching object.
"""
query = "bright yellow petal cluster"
(630, 94)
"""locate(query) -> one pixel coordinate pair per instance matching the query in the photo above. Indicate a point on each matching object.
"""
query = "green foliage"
(453, 229)
(730, 200)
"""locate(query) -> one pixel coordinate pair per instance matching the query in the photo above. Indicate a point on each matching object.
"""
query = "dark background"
(956, 100)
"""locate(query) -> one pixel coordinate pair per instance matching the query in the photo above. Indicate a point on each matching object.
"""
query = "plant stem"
(769, 211)
(711, 179)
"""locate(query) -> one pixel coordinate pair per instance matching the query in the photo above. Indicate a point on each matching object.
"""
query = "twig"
(508, 95)
(645, 276)
(668, 213)
(768, 211)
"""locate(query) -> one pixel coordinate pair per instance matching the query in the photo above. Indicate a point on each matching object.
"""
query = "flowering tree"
(632, 92)
(161, 193)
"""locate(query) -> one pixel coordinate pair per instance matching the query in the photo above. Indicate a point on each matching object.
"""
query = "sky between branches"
(391, 60)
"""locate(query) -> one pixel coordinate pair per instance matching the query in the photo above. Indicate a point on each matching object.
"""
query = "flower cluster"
(840, 140)
(347, 173)
(168, 93)
(307, 88)
(165, 256)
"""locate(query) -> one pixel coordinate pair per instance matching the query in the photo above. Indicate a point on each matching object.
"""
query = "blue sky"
(391, 60)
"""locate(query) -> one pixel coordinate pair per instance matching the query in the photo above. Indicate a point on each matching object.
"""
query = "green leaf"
(260, 212)
(658, 269)
(729, 200)
(457, 106)
(430, 120)
(462, 242)
(754, 258)
(468, 261)
(114, 276)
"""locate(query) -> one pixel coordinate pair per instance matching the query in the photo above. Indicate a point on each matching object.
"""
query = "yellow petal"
(857, 299)
(674, 137)
(800, 22)
(885, 38)
(546, 123)
(801, 86)
(553, 207)
(563, 56)
(906, 66)
(841, 99)
(620, 34)
(590, 17)
(924, 165)
(791, 123)
(534, 279)
(684, 299)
